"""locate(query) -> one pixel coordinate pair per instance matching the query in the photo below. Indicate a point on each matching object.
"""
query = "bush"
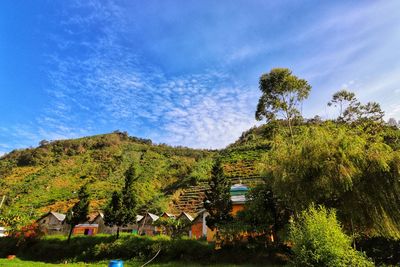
(384, 251)
(318, 240)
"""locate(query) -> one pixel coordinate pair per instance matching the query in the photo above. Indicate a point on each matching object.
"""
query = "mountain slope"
(48, 177)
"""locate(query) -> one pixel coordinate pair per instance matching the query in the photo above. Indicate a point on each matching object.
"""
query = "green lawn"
(21, 263)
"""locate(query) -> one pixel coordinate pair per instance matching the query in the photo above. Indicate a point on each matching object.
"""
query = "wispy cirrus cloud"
(186, 74)
(110, 86)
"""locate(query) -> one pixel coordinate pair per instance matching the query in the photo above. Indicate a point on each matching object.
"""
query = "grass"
(21, 263)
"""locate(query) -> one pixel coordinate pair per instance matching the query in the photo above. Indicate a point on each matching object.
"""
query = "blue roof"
(238, 189)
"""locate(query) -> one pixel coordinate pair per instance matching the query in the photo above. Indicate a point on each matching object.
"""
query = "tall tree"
(340, 167)
(372, 112)
(282, 94)
(218, 199)
(347, 103)
(264, 213)
(129, 201)
(79, 212)
(113, 213)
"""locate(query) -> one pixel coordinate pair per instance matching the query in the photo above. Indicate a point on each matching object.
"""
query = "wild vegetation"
(48, 177)
(318, 180)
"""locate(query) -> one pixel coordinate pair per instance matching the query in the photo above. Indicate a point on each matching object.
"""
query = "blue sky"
(183, 72)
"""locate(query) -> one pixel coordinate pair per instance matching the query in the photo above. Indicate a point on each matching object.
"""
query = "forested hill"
(36, 180)
(49, 176)
(349, 167)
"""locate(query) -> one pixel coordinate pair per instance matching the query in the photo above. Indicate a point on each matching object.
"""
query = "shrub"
(318, 240)
(27, 234)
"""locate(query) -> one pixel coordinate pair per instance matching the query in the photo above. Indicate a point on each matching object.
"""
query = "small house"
(146, 225)
(98, 219)
(199, 227)
(187, 219)
(238, 197)
(53, 223)
(86, 229)
(130, 228)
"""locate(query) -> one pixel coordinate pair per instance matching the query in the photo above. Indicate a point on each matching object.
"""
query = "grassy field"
(22, 263)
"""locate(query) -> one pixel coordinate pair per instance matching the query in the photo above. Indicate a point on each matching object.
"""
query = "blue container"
(116, 263)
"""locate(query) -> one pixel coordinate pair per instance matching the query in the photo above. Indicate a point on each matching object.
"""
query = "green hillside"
(48, 177)
(36, 180)
(174, 179)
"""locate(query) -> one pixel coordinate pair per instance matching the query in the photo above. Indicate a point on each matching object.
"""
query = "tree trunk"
(70, 233)
(291, 131)
(117, 232)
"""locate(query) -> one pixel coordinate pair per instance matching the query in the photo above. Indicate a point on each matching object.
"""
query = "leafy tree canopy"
(338, 166)
(282, 93)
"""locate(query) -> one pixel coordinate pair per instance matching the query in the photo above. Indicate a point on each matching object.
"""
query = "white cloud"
(112, 86)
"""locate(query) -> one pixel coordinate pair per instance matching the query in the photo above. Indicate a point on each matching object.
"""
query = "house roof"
(170, 215)
(87, 225)
(93, 217)
(238, 189)
(148, 214)
(153, 216)
(184, 214)
(200, 214)
(59, 216)
(139, 217)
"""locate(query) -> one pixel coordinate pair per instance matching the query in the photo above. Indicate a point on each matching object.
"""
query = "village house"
(98, 218)
(53, 223)
(199, 228)
(146, 225)
(186, 219)
(238, 197)
(86, 229)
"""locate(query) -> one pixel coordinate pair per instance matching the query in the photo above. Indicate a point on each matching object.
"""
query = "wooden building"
(86, 229)
(146, 225)
(199, 227)
(186, 219)
(53, 223)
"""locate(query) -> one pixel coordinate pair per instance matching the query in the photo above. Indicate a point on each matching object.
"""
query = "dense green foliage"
(264, 213)
(122, 208)
(140, 248)
(282, 94)
(45, 178)
(318, 240)
(218, 198)
(129, 202)
(80, 211)
(339, 166)
(113, 213)
(175, 228)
